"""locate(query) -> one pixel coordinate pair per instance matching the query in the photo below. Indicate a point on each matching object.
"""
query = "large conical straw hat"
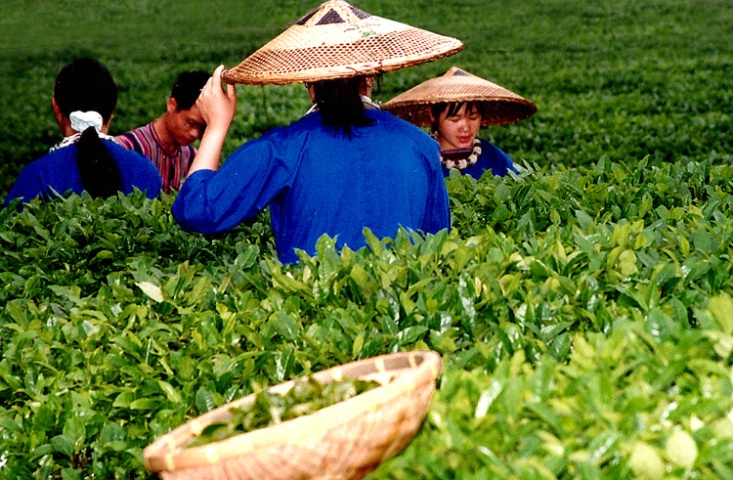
(497, 104)
(337, 40)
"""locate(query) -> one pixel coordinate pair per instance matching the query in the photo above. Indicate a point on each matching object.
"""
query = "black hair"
(86, 85)
(187, 88)
(99, 172)
(453, 108)
(340, 104)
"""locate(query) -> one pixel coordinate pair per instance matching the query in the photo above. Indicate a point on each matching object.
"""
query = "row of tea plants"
(585, 318)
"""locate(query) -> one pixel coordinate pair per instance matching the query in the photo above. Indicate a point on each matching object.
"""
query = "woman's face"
(458, 131)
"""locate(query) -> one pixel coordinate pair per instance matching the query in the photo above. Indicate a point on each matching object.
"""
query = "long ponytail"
(99, 172)
(85, 85)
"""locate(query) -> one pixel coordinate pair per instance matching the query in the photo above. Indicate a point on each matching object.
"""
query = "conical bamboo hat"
(337, 40)
(497, 104)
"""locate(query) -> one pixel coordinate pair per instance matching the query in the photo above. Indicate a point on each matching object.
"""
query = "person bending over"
(167, 140)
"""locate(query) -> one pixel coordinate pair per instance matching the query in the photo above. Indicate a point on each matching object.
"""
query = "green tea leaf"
(151, 290)
(681, 449)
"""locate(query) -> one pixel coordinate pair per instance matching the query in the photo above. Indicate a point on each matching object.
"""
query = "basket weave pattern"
(344, 441)
(493, 112)
(374, 50)
(497, 104)
(336, 41)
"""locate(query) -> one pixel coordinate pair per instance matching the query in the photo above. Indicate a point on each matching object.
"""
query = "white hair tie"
(80, 121)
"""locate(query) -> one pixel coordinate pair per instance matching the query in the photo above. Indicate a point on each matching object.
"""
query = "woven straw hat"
(337, 40)
(497, 104)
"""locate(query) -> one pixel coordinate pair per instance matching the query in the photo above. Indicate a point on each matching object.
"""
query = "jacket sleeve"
(249, 180)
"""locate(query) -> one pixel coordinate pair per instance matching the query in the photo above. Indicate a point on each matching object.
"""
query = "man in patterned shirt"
(167, 139)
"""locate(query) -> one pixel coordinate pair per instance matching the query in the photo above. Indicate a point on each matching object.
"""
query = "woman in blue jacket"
(339, 169)
(87, 159)
(336, 171)
(455, 106)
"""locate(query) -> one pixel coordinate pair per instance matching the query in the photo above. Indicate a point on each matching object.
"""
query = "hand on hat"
(217, 107)
(217, 104)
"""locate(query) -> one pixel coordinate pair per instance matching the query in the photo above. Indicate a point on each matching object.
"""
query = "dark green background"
(624, 78)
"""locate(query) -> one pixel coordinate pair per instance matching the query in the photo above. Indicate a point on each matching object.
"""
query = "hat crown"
(457, 72)
(333, 11)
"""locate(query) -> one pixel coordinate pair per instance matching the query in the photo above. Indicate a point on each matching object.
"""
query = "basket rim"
(167, 454)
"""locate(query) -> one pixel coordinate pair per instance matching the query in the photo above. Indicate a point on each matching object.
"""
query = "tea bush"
(118, 326)
(583, 307)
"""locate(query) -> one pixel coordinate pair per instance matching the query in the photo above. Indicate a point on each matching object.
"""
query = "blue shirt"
(318, 181)
(492, 158)
(56, 173)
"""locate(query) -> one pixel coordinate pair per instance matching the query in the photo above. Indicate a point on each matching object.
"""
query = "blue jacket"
(56, 174)
(317, 181)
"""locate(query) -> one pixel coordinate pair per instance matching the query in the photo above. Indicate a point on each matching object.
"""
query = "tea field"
(583, 308)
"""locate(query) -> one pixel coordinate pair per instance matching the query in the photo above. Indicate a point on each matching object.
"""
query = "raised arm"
(217, 107)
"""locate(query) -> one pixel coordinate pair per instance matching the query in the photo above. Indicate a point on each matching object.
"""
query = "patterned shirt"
(173, 168)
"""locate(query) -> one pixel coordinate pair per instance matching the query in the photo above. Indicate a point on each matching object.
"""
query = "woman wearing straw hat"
(455, 106)
(337, 170)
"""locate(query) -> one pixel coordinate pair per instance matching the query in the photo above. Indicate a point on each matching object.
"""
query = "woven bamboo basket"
(344, 441)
